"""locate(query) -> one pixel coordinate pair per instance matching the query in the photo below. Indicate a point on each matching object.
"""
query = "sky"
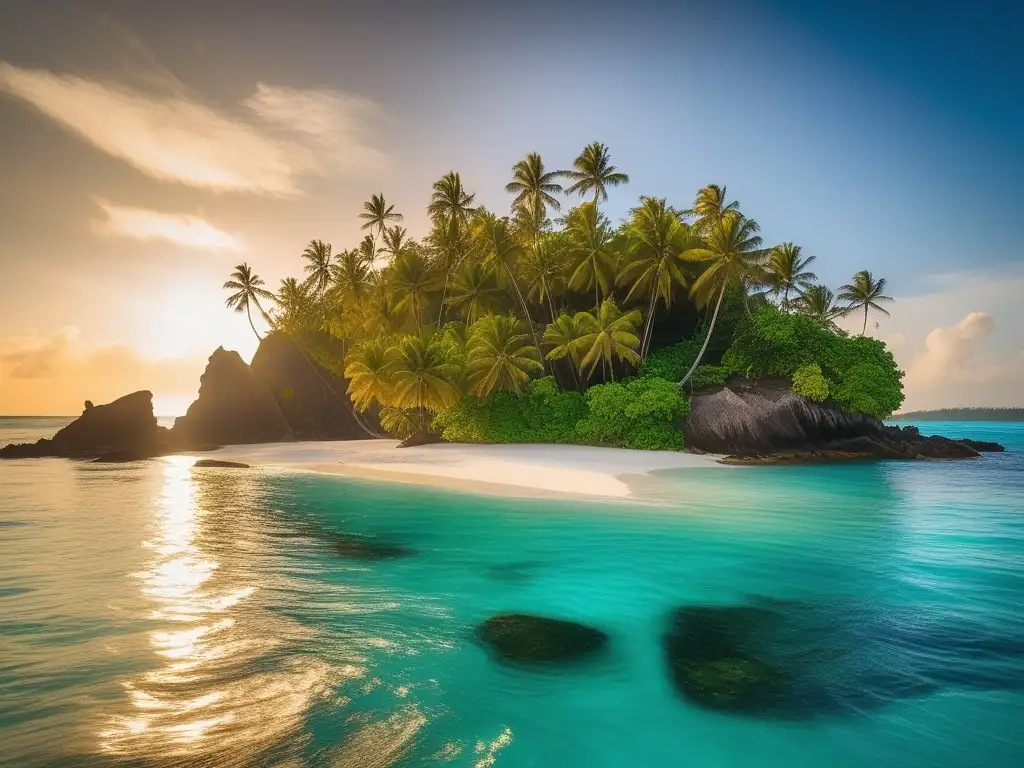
(147, 148)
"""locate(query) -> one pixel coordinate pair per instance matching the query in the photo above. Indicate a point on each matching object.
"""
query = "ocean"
(156, 615)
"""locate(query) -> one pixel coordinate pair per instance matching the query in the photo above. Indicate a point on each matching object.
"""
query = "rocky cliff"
(764, 422)
(314, 401)
(235, 406)
(122, 430)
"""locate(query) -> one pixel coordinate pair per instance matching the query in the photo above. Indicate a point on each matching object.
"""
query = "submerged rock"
(521, 637)
(221, 464)
(358, 548)
(763, 422)
(314, 401)
(234, 407)
(123, 430)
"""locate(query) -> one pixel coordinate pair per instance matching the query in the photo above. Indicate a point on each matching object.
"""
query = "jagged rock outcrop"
(763, 422)
(313, 400)
(123, 430)
(235, 406)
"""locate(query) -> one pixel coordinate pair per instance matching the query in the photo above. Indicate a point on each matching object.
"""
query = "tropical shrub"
(645, 413)
(808, 381)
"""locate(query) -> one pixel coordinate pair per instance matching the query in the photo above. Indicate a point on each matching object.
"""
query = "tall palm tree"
(534, 188)
(395, 240)
(501, 357)
(473, 290)
(248, 287)
(607, 336)
(411, 280)
(591, 246)
(710, 207)
(787, 271)
(378, 214)
(293, 305)
(542, 268)
(733, 254)
(562, 338)
(351, 274)
(318, 268)
(451, 207)
(593, 172)
(657, 240)
(818, 302)
(864, 292)
(367, 373)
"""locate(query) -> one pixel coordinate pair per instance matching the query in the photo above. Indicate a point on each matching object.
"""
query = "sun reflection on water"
(220, 692)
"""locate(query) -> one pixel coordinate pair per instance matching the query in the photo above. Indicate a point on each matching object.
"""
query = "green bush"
(645, 413)
(672, 362)
(809, 382)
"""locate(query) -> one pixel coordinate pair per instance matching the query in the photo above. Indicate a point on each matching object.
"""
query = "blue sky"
(880, 136)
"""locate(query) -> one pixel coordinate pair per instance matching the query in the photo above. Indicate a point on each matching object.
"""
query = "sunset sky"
(147, 148)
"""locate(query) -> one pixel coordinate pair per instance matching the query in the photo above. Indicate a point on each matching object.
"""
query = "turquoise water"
(152, 614)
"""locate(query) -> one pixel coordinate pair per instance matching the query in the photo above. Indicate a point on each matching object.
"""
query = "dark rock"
(234, 407)
(420, 438)
(124, 430)
(220, 463)
(314, 401)
(763, 422)
(358, 548)
(981, 446)
(520, 637)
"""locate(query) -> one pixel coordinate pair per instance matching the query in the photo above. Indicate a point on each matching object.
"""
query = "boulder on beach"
(764, 422)
(234, 407)
(122, 430)
(519, 637)
(314, 401)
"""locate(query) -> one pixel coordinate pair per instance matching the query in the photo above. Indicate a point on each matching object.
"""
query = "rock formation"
(234, 406)
(124, 430)
(519, 637)
(314, 401)
(764, 422)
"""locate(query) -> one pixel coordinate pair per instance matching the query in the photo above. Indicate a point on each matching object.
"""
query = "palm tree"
(710, 207)
(378, 213)
(864, 292)
(733, 254)
(473, 290)
(367, 373)
(592, 250)
(787, 271)
(657, 240)
(318, 254)
(594, 172)
(534, 187)
(420, 375)
(607, 336)
(411, 280)
(351, 274)
(394, 240)
(248, 287)
(542, 268)
(501, 357)
(293, 305)
(449, 201)
(818, 302)
(562, 338)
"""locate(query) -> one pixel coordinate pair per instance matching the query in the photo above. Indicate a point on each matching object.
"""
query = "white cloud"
(286, 134)
(950, 350)
(184, 229)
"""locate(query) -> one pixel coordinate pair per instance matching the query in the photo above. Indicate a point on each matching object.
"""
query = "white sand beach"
(508, 470)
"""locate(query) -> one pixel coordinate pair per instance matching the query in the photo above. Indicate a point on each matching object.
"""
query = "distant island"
(963, 414)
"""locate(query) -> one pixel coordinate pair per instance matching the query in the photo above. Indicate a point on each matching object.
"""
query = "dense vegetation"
(964, 414)
(540, 327)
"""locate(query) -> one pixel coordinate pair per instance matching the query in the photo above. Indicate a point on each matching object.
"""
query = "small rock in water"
(220, 463)
(525, 638)
(357, 548)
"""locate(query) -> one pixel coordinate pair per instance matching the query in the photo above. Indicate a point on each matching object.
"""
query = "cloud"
(186, 230)
(280, 136)
(56, 373)
(950, 349)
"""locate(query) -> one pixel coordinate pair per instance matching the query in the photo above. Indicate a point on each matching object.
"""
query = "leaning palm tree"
(500, 356)
(657, 240)
(818, 302)
(710, 207)
(534, 188)
(318, 268)
(367, 373)
(608, 336)
(248, 287)
(787, 271)
(594, 172)
(591, 246)
(864, 292)
(378, 214)
(732, 251)
(562, 338)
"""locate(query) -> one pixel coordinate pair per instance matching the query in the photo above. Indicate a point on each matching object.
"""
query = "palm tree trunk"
(649, 325)
(785, 299)
(707, 339)
(526, 313)
(864, 330)
(249, 315)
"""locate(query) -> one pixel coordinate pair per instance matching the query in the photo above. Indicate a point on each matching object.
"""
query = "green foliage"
(644, 413)
(860, 373)
(671, 362)
(709, 377)
(809, 381)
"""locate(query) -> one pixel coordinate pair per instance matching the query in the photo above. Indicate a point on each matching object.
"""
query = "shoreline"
(511, 470)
